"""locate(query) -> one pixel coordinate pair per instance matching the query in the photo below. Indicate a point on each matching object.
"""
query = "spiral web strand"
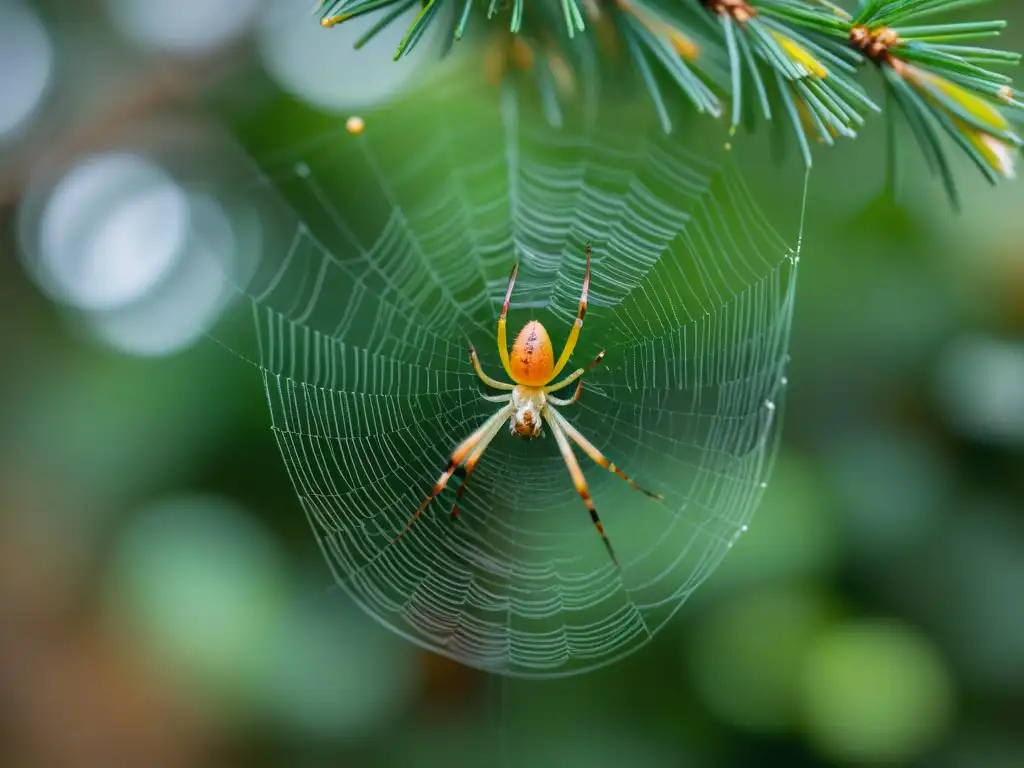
(401, 252)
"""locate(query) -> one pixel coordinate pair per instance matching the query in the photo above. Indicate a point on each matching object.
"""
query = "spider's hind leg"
(467, 472)
(468, 447)
(463, 474)
(598, 458)
(580, 482)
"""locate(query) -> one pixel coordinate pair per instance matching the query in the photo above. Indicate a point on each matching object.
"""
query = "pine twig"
(942, 85)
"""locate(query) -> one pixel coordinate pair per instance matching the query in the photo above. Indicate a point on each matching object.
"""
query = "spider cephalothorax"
(529, 403)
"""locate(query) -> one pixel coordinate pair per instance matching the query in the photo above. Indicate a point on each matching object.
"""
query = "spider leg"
(563, 401)
(492, 383)
(591, 450)
(579, 481)
(470, 465)
(483, 435)
(502, 340)
(574, 334)
(569, 380)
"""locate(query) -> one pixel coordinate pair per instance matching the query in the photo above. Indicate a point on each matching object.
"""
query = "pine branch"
(792, 60)
(941, 85)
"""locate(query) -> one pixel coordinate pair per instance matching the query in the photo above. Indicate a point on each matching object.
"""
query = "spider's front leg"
(577, 326)
(577, 374)
(502, 320)
(490, 382)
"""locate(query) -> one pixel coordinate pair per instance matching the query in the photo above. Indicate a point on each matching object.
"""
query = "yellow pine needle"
(1000, 155)
(800, 55)
(682, 45)
(981, 110)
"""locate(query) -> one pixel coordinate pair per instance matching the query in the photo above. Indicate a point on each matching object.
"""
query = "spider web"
(394, 252)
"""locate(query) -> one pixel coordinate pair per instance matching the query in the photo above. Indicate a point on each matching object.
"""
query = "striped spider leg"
(479, 439)
(561, 429)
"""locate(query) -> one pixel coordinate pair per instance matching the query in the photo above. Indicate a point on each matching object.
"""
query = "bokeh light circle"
(113, 226)
(332, 673)
(745, 656)
(182, 26)
(980, 386)
(875, 692)
(190, 298)
(26, 66)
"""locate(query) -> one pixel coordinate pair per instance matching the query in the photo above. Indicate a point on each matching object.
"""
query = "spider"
(530, 402)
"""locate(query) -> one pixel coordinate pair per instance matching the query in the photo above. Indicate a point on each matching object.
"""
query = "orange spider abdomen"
(532, 357)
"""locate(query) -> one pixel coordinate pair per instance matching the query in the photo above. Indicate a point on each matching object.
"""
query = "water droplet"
(355, 125)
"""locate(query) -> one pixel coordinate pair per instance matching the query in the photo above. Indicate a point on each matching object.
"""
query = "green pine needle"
(795, 60)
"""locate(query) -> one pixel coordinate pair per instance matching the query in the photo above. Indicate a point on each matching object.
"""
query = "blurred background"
(162, 599)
